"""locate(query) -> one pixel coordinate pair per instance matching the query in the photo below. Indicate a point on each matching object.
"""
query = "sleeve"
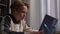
(6, 24)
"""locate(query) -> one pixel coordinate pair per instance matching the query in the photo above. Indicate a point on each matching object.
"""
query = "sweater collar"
(14, 19)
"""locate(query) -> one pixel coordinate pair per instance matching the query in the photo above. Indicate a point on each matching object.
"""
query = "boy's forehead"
(25, 8)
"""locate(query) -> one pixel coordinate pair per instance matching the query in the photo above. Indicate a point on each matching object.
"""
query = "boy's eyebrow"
(22, 11)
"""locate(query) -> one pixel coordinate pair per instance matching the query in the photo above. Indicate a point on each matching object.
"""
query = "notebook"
(48, 24)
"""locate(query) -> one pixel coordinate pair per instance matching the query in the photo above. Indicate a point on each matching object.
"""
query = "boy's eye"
(22, 11)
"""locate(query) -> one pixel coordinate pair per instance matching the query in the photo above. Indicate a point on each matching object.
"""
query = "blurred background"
(36, 12)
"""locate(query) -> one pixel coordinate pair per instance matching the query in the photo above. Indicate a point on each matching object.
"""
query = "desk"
(58, 32)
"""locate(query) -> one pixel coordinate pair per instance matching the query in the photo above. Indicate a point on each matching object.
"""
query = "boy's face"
(22, 13)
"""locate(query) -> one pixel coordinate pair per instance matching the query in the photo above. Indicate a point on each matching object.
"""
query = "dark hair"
(18, 5)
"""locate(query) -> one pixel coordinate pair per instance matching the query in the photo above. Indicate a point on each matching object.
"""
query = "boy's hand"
(39, 32)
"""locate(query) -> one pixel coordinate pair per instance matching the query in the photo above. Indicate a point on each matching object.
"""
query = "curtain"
(38, 9)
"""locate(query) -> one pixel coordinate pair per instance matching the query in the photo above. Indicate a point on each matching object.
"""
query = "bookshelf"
(4, 7)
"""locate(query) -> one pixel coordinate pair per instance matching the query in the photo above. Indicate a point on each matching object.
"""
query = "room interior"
(36, 12)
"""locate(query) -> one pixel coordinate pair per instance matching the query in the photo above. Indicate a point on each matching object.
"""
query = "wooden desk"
(58, 32)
